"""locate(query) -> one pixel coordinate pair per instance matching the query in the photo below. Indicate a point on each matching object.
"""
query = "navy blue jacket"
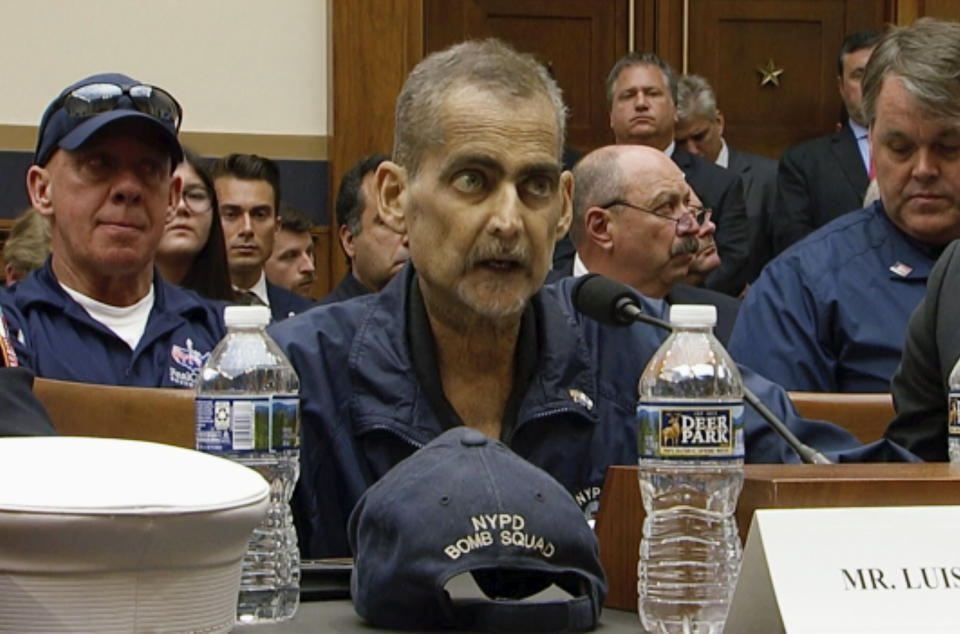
(61, 341)
(830, 313)
(364, 411)
(284, 303)
(348, 288)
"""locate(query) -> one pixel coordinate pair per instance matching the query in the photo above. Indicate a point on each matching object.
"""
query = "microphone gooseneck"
(615, 304)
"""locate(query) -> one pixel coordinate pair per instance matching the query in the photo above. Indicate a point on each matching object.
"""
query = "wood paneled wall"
(375, 44)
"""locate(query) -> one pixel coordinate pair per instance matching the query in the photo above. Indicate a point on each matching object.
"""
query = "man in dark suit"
(248, 193)
(699, 131)
(641, 95)
(634, 221)
(920, 385)
(374, 251)
(822, 178)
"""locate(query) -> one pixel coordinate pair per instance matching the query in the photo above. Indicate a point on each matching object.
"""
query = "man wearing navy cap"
(97, 311)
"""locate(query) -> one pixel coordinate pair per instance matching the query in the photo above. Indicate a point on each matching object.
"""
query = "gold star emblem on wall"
(770, 72)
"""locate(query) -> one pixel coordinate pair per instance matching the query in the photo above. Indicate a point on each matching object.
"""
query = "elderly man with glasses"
(98, 311)
(636, 220)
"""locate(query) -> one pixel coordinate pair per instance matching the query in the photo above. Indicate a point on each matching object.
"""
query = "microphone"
(615, 304)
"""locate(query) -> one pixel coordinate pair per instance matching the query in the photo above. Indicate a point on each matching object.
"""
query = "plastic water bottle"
(953, 415)
(248, 410)
(690, 445)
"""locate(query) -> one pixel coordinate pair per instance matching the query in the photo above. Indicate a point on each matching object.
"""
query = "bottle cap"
(693, 315)
(238, 316)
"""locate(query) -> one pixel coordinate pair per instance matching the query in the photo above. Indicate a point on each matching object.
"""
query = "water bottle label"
(685, 431)
(250, 423)
(953, 416)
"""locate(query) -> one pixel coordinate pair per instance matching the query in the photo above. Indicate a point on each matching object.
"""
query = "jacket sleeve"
(778, 331)
(21, 414)
(791, 218)
(919, 385)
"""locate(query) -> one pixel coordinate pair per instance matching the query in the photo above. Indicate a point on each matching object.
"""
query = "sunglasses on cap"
(96, 98)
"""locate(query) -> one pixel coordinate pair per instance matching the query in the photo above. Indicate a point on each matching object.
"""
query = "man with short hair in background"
(98, 310)
(374, 251)
(292, 264)
(822, 178)
(830, 314)
(699, 131)
(248, 193)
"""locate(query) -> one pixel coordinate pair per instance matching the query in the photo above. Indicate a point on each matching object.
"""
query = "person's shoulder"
(810, 149)
(830, 248)
(697, 164)
(757, 163)
(289, 300)
(340, 321)
(39, 287)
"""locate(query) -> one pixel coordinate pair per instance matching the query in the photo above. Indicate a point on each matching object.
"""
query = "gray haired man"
(699, 131)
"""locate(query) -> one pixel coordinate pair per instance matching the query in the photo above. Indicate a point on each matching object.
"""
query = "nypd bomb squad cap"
(466, 503)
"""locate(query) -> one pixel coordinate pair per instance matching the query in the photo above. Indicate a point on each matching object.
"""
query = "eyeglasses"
(197, 199)
(687, 220)
(93, 99)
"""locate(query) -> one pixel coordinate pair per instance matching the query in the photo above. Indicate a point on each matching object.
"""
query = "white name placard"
(845, 570)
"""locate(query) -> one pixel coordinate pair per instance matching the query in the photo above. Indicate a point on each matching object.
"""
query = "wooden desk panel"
(620, 516)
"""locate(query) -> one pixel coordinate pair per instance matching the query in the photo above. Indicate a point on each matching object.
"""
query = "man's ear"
(566, 210)
(597, 227)
(176, 188)
(346, 242)
(392, 193)
(40, 190)
(720, 121)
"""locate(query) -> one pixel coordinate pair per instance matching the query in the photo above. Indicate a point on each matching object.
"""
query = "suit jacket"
(920, 384)
(759, 176)
(348, 288)
(284, 303)
(722, 191)
(817, 181)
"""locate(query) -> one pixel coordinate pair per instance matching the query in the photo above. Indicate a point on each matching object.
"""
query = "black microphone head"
(603, 299)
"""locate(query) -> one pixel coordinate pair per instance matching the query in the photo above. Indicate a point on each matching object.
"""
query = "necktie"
(248, 298)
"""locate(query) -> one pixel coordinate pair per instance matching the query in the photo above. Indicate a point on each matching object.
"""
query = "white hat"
(106, 535)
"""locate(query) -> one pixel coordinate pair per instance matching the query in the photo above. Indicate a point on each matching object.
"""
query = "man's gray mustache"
(518, 253)
(687, 244)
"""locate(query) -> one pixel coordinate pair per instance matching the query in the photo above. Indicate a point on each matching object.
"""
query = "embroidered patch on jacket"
(8, 358)
(188, 358)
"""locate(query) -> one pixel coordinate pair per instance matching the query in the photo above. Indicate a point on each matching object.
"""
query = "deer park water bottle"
(690, 445)
(248, 410)
(953, 414)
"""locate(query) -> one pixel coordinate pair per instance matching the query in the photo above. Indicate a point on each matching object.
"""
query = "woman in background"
(192, 253)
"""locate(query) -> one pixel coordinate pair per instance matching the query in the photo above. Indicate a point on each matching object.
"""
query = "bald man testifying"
(466, 333)
(636, 220)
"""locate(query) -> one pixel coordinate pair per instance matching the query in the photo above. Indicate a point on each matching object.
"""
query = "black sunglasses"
(93, 99)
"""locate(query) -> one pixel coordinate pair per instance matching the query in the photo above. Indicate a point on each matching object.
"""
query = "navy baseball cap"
(85, 107)
(465, 503)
